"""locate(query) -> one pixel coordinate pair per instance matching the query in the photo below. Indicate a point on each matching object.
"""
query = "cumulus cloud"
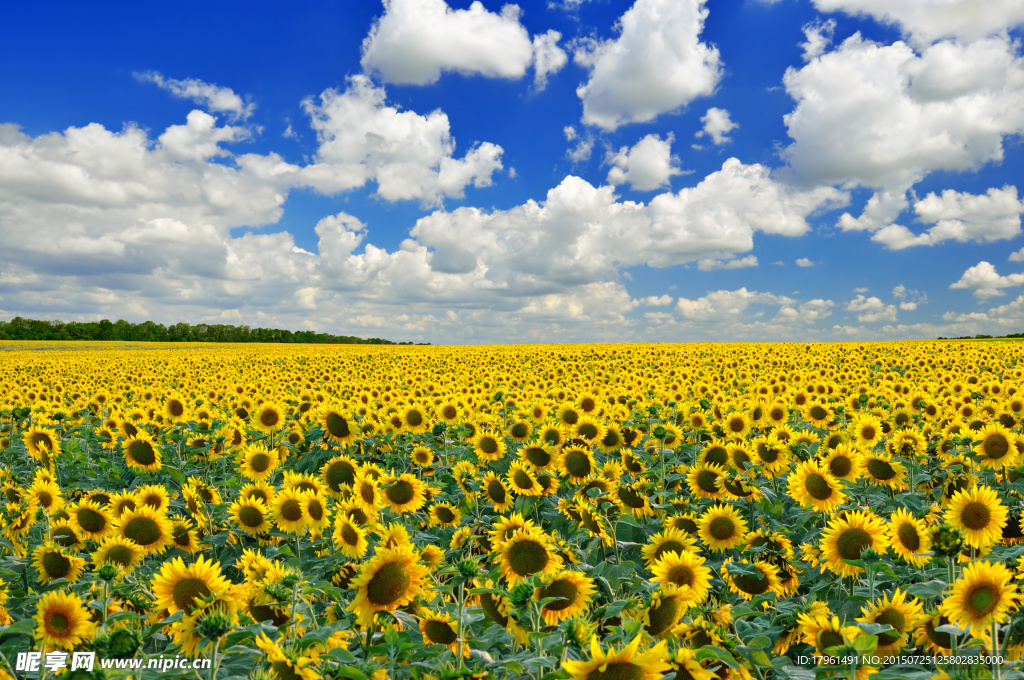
(724, 305)
(416, 40)
(871, 309)
(409, 156)
(647, 165)
(710, 264)
(211, 97)
(819, 36)
(1017, 256)
(657, 64)
(548, 57)
(717, 125)
(925, 21)
(883, 116)
(804, 262)
(657, 301)
(960, 216)
(809, 312)
(984, 281)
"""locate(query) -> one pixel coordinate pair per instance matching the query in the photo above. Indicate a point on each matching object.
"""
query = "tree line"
(149, 331)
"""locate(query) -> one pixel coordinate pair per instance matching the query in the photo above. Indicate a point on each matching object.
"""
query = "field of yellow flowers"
(598, 512)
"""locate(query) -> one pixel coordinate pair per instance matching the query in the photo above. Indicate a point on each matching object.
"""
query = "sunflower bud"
(214, 624)
(947, 540)
(108, 572)
(521, 594)
(291, 580)
(870, 555)
(468, 568)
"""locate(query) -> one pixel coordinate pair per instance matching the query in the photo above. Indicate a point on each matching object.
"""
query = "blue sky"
(583, 170)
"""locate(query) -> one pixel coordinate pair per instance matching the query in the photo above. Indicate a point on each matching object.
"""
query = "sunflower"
(685, 571)
(64, 534)
(812, 487)
(317, 510)
(822, 631)
(256, 462)
(122, 501)
(496, 493)
(573, 589)
(896, 611)
(867, 430)
(392, 578)
(337, 425)
(153, 495)
(665, 542)
(180, 587)
(522, 481)
(939, 644)
(750, 580)
(62, 620)
(488, 446)
(910, 538)
(349, 537)
(444, 515)
(251, 515)
(773, 454)
(882, 470)
(525, 553)
(844, 462)
(339, 473)
(633, 498)
(981, 596)
(847, 536)
(568, 414)
(141, 453)
(422, 456)
(589, 429)
(119, 551)
(503, 528)
(404, 493)
(268, 417)
(611, 441)
(551, 435)
(184, 535)
(706, 481)
(577, 463)
(721, 527)
(290, 511)
(624, 664)
(979, 514)
(53, 562)
(439, 629)
(996, 447)
(537, 457)
(91, 519)
(663, 612)
(287, 664)
(43, 444)
(46, 494)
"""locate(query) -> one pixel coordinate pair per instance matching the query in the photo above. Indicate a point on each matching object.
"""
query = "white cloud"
(928, 20)
(863, 304)
(362, 138)
(908, 306)
(724, 305)
(1017, 256)
(804, 262)
(899, 292)
(657, 64)
(212, 97)
(657, 301)
(548, 57)
(570, 132)
(809, 312)
(648, 165)
(416, 40)
(881, 209)
(962, 217)
(582, 151)
(819, 36)
(717, 124)
(882, 116)
(861, 289)
(711, 264)
(983, 280)
(871, 310)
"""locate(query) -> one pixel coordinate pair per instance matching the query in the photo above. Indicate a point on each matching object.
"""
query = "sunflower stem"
(462, 602)
(996, 669)
(215, 660)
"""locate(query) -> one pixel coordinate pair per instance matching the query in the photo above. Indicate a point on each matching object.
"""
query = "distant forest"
(149, 331)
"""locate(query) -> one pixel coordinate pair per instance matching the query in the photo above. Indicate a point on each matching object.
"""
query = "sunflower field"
(593, 512)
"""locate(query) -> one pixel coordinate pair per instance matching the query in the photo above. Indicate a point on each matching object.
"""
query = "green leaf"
(713, 652)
